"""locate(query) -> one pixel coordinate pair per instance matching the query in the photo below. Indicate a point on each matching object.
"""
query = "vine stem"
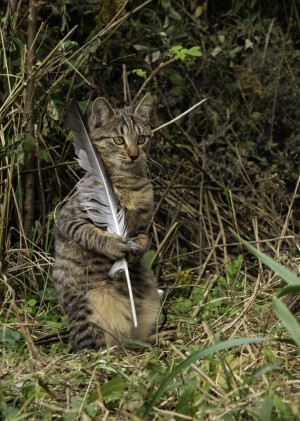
(179, 116)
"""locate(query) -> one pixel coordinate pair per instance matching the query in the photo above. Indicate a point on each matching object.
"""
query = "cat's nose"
(133, 157)
(133, 153)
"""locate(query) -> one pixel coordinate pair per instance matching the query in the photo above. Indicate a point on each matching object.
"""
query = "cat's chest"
(134, 199)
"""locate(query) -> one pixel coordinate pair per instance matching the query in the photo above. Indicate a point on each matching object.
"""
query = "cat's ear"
(144, 107)
(102, 111)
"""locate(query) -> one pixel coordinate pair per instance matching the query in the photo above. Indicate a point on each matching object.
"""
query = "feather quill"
(101, 203)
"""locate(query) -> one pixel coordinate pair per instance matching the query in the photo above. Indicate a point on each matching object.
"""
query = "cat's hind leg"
(111, 312)
(148, 309)
(83, 333)
(86, 335)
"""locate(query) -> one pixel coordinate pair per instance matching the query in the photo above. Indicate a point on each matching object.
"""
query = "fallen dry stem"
(215, 387)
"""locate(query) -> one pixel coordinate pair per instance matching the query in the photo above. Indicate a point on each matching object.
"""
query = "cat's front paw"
(117, 247)
(135, 253)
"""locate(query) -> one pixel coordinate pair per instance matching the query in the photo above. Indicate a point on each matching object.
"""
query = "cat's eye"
(119, 140)
(141, 140)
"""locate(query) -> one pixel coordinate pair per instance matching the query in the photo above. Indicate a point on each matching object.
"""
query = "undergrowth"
(201, 374)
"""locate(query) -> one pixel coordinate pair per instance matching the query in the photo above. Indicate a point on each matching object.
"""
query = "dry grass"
(245, 382)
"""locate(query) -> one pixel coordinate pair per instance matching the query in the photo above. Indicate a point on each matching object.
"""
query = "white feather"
(95, 203)
(101, 203)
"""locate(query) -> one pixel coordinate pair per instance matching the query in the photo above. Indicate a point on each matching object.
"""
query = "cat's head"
(121, 135)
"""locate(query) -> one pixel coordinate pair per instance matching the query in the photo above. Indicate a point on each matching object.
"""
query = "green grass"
(227, 364)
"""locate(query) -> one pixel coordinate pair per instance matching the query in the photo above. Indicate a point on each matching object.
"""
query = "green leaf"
(183, 305)
(76, 402)
(48, 294)
(113, 389)
(194, 51)
(256, 115)
(264, 409)
(148, 256)
(9, 337)
(176, 48)
(69, 137)
(173, 14)
(193, 358)
(32, 302)
(28, 144)
(175, 51)
(140, 73)
(186, 404)
(44, 154)
(182, 53)
(281, 407)
(17, 42)
(52, 111)
(286, 274)
(290, 289)
(287, 319)
(261, 371)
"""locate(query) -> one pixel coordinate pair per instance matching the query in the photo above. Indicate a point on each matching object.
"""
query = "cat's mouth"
(130, 161)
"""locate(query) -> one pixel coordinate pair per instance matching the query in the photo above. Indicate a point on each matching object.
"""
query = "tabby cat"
(97, 306)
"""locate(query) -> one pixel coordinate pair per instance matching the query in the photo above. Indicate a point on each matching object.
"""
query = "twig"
(268, 240)
(168, 188)
(11, 7)
(40, 180)
(153, 74)
(238, 320)
(288, 216)
(34, 74)
(221, 226)
(51, 392)
(60, 164)
(210, 284)
(267, 42)
(207, 260)
(6, 196)
(34, 353)
(164, 241)
(179, 116)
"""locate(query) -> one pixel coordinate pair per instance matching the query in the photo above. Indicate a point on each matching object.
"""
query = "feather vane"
(99, 212)
(100, 203)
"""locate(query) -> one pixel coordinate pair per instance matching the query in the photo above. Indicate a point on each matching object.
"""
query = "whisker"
(158, 164)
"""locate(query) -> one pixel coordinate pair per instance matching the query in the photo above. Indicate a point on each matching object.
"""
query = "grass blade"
(287, 319)
(290, 289)
(193, 358)
(286, 274)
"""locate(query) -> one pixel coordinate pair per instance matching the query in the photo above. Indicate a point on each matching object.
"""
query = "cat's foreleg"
(138, 246)
(89, 237)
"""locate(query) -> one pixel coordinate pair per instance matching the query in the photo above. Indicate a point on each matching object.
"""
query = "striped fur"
(98, 307)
